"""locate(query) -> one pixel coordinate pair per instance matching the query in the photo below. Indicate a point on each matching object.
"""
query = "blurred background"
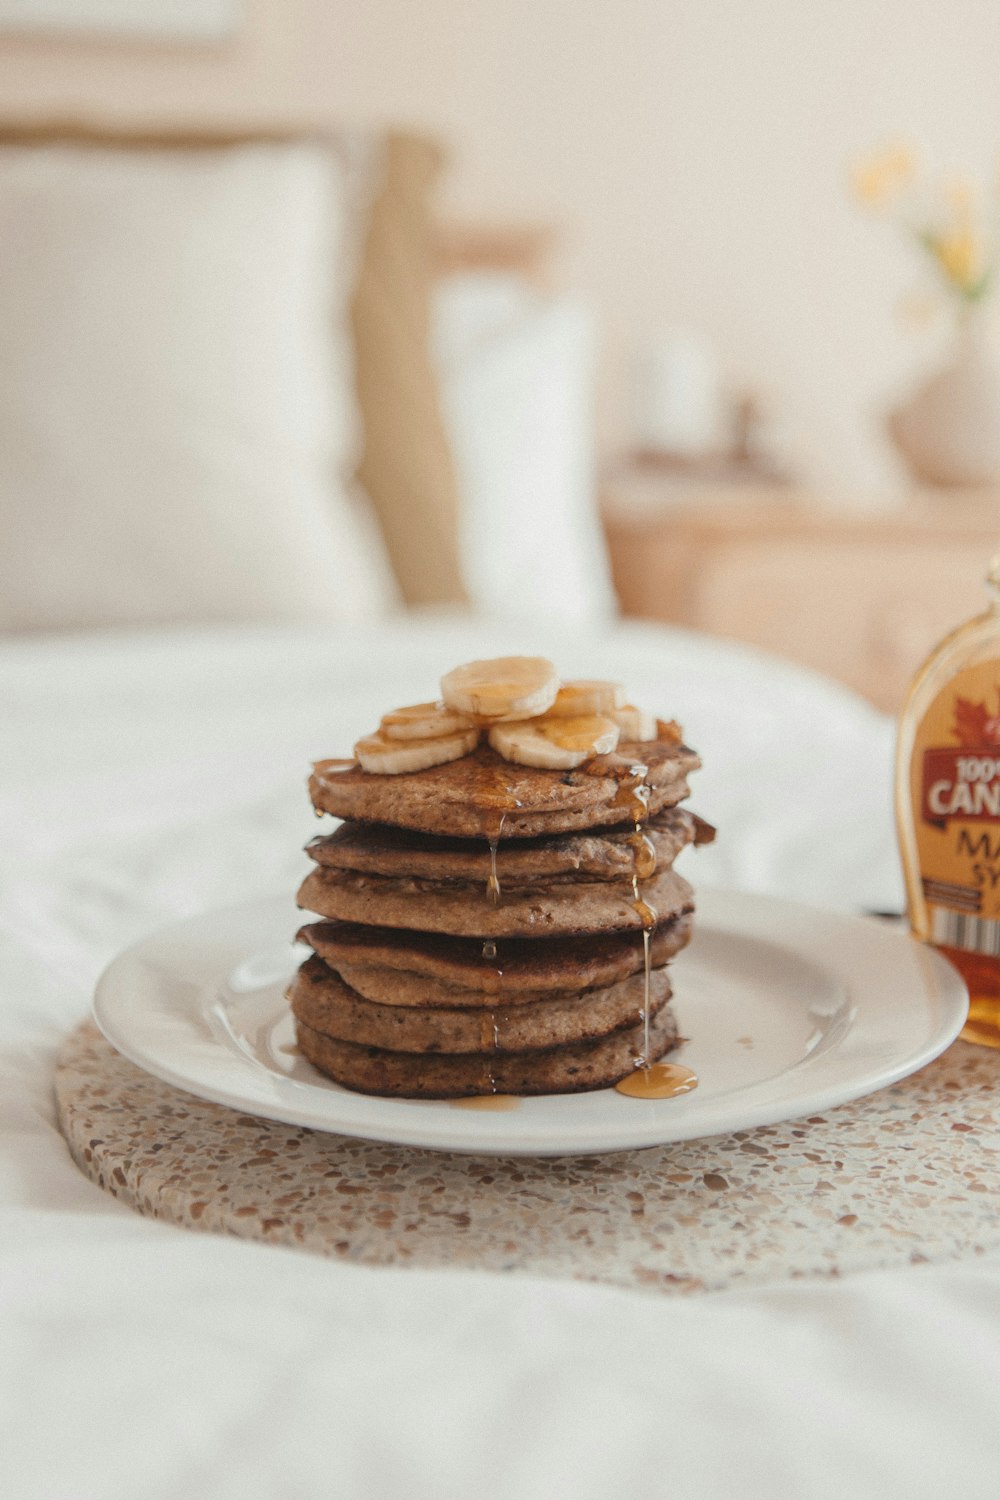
(678, 308)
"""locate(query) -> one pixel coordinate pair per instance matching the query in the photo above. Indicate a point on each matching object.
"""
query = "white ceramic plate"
(789, 1011)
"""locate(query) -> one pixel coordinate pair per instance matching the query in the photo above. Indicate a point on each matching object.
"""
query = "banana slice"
(388, 757)
(506, 688)
(636, 724)
(423, 721)
(574, 699)
(555, 744)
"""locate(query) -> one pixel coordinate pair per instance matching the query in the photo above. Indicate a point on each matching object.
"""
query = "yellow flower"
(880, 178)
(949, 228)
(961, 255)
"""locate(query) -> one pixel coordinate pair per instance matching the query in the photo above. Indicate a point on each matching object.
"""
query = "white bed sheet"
(143, 778)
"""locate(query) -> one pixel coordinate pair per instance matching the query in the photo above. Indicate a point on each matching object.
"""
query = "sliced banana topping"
(635, 723)
(556, 744)
(423, 721)
(388, 757)
(530, 718)
(505, 688)
(588, 696)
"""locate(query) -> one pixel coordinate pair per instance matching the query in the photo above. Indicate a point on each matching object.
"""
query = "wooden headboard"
(521, 249)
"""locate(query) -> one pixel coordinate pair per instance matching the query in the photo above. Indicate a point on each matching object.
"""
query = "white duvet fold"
(173, 1365)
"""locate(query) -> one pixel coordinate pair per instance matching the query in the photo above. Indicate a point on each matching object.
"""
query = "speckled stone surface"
(909, 1174)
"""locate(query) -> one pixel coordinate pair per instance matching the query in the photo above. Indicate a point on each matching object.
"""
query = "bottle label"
(955, 785)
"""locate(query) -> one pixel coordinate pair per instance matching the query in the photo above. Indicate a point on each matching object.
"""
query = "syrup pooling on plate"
(662, 1080)
(496, 1102)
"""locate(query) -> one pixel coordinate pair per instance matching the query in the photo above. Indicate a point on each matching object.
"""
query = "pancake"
(396, 987)
(463, 910)
(572, 1068)
(465, 798)
(321, 999)
(521, 864)
(430, 969)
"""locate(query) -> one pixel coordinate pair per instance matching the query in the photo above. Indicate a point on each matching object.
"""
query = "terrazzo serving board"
(909, 1174)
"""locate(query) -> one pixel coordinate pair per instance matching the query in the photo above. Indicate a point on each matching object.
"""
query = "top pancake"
(466, 798)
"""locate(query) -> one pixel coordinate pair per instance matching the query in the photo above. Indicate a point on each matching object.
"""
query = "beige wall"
(693, 152)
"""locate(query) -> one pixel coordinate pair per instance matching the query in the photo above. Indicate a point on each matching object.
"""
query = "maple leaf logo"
(974, 725)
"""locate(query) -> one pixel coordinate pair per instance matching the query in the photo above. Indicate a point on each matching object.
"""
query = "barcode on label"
(959, 929)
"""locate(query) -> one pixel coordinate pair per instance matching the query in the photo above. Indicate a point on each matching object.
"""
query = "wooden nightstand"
(861, 597)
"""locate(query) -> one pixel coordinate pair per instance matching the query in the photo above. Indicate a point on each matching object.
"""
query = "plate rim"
(497, 1134)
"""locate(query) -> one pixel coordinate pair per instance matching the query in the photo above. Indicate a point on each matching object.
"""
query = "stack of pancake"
(496, 928)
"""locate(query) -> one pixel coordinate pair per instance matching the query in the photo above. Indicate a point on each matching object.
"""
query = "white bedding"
(144, 778)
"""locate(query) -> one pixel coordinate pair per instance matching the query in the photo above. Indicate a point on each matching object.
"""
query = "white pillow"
(517, 377)
(176, 411)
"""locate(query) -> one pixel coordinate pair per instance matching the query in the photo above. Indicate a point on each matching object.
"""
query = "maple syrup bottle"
(948, 808)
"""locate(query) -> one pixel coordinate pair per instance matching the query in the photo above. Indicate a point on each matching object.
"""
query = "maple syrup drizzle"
(492, 882)
(647, 1081)
(334, 767)
(634, 793)
(579, 732)
(643, 855)
(325, 768)
(500, 800)
(497, 977)
(489, 1031)
(660, 1081)
(490, 1035)
(492, 824)
(492, 793)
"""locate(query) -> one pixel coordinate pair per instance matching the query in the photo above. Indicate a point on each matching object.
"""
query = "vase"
(948, 430)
